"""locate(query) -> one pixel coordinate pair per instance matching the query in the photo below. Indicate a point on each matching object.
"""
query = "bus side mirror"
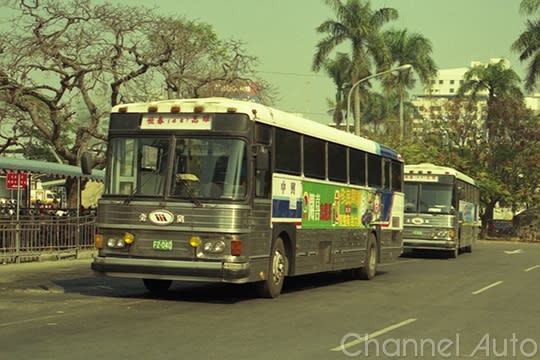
(87, 163)
(263, 158)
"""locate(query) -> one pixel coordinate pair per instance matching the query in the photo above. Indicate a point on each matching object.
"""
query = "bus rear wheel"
(157, 286)
(277, 269)
(369, 270)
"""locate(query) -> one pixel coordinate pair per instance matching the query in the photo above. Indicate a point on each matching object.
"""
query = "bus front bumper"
(205, 271)
(412, 244)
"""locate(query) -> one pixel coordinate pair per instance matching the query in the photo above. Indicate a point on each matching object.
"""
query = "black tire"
(277, 270)
(157, 286)
(369, 270)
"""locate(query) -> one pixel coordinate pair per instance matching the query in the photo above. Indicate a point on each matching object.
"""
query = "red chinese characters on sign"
(177, 122)
(15, 180)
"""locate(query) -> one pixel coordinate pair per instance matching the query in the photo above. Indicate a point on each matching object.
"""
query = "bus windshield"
(428, 198)
(204, 168)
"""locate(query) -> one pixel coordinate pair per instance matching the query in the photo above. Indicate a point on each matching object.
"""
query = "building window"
(460, 82)
(451, 90)
(451, 82)
(441, 82)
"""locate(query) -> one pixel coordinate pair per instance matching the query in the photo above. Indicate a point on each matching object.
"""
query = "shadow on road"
(428, 254)
(195, 291)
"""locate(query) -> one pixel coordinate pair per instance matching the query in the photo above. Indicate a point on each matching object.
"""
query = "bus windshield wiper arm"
(190, 192)
(134, 192)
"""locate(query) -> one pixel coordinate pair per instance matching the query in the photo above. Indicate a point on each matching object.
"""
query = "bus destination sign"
(422, 177)
(176, 122)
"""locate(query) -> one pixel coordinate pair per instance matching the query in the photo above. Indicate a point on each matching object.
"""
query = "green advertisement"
(327, 206)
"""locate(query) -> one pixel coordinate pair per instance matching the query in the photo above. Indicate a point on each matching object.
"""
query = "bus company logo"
(161, 217)
(417, 221)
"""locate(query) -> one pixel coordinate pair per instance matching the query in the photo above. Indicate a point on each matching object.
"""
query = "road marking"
(364, 338)
(532, 268)
(135, 302)
(487, 287)
(30, 320)
(512, 252)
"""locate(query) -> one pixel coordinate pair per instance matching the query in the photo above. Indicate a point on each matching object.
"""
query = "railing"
(31, 238)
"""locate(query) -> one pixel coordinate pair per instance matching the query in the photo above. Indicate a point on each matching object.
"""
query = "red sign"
(15, 180)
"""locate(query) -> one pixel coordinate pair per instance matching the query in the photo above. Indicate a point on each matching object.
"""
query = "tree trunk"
(73, 193)
(485, 217)
(356, 111)
(401, 124)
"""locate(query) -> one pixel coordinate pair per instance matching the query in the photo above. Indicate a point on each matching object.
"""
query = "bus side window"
(263, 173)
(263, 164)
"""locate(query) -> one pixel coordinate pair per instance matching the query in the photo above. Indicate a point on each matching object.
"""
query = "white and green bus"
(442, 208)
(221, 190)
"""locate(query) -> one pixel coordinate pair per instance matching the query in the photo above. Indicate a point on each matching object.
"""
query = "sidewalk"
(41, 275)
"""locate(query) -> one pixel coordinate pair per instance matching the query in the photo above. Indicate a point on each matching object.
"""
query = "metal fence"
(32, 238)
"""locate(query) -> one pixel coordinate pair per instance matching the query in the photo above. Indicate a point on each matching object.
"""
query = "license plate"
(417, 232)
(165, 245)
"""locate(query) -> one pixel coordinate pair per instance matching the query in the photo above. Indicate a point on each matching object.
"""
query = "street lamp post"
(357, 117)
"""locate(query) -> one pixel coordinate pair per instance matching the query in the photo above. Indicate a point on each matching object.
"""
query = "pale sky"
(281, 33)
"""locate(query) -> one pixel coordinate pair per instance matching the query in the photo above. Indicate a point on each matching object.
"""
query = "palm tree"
(339, 70)
(413, 49)
(528, 45)
(529, 7)
(495, 79)
(358, 23)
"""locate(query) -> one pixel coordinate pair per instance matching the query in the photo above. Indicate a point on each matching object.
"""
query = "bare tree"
(64, 64)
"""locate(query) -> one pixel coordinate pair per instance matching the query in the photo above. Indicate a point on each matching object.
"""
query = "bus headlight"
(448, 234)
(214, 246)
(116, 243)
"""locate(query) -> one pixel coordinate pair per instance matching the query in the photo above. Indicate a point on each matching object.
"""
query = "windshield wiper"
(134, 192)
(191, 194)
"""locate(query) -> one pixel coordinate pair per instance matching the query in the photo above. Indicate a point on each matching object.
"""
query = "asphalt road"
(480, 305)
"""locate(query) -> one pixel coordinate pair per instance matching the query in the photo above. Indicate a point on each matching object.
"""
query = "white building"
(431, 104)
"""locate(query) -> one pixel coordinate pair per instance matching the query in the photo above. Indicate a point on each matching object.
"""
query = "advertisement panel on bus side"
(317, 205)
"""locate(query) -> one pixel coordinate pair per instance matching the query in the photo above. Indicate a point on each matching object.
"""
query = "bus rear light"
(254, 112)
(231, 110)
(236, 247)
(198, 109)
(122, 109)
(98, 241)
(175, 109)
(152, 109)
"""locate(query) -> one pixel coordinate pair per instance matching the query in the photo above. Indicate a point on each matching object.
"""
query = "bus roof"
(263, 114)
(427, 168)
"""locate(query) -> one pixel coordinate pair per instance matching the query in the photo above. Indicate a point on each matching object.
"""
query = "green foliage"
(65, 63)
(529, 7)
(528, 47)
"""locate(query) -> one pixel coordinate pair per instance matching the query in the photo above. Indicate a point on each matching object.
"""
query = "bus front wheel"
(277, 269)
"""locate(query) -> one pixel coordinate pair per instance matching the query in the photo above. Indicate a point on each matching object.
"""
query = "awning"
(49, 168)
